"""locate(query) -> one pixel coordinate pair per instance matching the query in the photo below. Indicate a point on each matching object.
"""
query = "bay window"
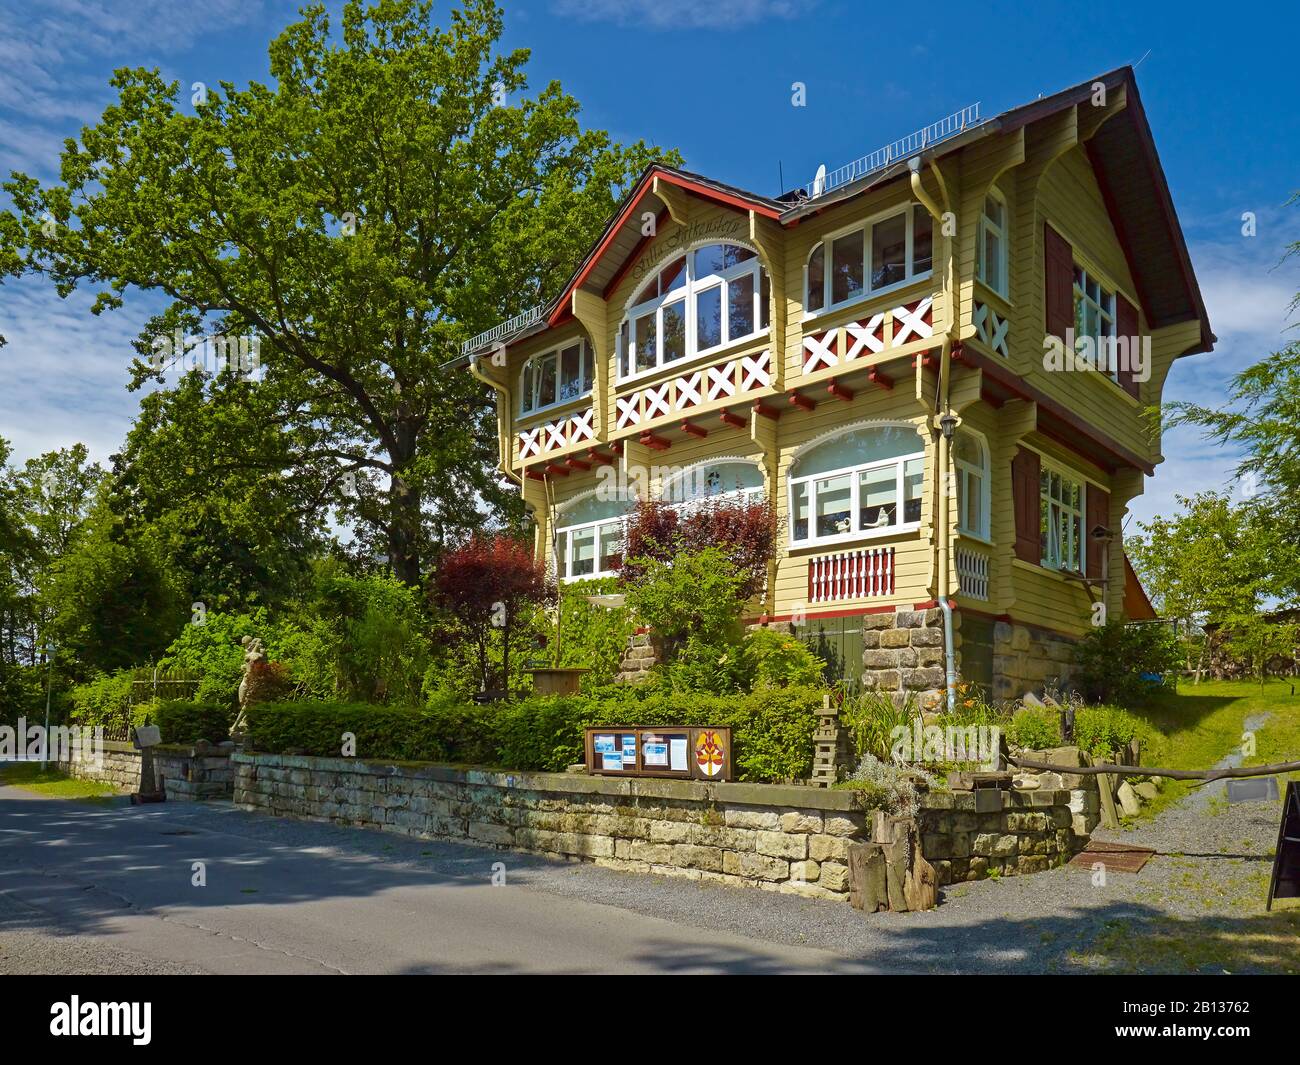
(713, 296)
(589, 538)
(991, 265)
(860, 483)
(971, 468)
(892, 251)
(1060, 520)
(555, 377)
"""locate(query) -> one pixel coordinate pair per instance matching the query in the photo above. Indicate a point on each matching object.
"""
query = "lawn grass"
(50, 782)
(1200, 723)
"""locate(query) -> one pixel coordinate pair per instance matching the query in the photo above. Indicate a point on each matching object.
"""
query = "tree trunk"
(505, 656)
(403, 531)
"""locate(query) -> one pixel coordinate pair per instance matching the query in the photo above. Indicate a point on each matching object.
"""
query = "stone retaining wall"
(779, 838)
(967, 835)
(187, 773)
(119, 766)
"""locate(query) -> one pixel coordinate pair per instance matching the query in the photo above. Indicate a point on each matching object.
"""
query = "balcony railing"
(851, 575)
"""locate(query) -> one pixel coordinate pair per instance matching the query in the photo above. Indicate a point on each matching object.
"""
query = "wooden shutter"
(1126, 326)
(1025, 504)
(1058, 282)
(1097, 512)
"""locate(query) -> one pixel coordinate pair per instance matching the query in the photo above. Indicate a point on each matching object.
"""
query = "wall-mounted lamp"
(948, 425)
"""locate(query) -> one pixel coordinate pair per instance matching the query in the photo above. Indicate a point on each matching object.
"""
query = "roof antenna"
(1142, 60)
(781, 171)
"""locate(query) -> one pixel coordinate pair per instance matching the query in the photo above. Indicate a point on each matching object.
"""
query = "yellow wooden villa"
(934, 362)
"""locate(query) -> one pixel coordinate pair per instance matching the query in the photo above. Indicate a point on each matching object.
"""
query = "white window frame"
(754, 494)
(1106, 316)
(625, 346)
(987, 225)
(564, 535)
(1049, 537)
(585, 365)
(964, 471)
(866, 229)
(855, 484)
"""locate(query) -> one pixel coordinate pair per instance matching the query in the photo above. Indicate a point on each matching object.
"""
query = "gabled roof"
(623, 236)
(1123, 157)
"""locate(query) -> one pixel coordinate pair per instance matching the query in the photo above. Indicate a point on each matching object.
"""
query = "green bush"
(185, 722)
(382, 732)
(772, 731)
(771, 659)
(1035, 727)
(871, 718)
(105, 700)
(1103, 730)
(594, 637)
(1112, 659)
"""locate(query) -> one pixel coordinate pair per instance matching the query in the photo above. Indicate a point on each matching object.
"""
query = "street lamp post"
(48, 651)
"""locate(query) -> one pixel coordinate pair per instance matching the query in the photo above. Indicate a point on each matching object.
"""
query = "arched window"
(554, 377)
(589, 536)
(971, 461)
(883, 254)
(731, 480)
(860, 483)
(706, 299)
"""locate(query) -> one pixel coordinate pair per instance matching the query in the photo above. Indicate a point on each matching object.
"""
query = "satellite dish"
(819, 182)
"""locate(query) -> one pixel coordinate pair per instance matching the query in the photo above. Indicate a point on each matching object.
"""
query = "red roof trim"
(637, 196)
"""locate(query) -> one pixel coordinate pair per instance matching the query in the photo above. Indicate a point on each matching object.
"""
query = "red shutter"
(1098, 513)
(1126, 328)
(1025, 504)
(1058, 282)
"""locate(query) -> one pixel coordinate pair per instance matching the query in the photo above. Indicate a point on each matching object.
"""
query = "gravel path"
(1211, 873)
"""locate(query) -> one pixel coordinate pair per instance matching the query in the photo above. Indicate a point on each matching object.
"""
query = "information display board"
(689, 752)
(1285, 883)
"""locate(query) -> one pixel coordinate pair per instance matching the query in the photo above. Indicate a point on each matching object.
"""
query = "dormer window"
(892, 251)
(555, 377)
(710, 298)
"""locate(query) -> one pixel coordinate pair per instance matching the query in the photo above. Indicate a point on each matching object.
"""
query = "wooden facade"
(1067, 190)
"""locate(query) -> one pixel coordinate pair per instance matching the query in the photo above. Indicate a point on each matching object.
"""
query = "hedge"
(772, 731)
(185, 722)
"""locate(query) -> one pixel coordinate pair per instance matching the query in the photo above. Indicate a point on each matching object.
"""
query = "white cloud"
(1248, 288)
(683, 14)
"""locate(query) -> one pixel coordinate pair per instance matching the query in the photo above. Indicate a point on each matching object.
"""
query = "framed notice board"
(685, 752)
(1286, 859)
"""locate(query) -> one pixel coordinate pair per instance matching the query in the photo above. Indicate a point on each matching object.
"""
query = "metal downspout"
(942, 544)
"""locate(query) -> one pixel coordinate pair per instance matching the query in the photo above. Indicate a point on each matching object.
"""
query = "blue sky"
(713, 78)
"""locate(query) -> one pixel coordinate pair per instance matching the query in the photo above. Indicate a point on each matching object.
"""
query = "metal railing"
(509, 327)
(905, 147)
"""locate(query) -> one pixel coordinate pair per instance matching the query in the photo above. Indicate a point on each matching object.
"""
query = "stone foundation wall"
(903, 655)
(774, 837)
(1029, 659)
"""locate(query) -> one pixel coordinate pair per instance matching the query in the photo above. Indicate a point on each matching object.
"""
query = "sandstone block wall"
(774, 837)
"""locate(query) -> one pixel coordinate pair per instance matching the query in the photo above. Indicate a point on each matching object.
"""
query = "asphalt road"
(109, 888)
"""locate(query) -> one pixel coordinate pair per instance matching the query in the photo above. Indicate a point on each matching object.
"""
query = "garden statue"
(254, 654)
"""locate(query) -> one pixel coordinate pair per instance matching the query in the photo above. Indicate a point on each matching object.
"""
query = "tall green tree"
(206, 467)
(394, 190)
(43, 504)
